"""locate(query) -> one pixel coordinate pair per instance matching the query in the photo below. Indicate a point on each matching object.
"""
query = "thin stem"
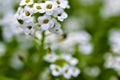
(41, 53)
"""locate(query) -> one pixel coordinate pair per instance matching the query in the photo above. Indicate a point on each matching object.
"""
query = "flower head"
(45, 22)
(60, 14)
(50, 7)
(56, 70)
(39, 7)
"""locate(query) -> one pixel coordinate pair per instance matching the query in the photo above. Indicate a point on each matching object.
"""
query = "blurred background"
(93, 24)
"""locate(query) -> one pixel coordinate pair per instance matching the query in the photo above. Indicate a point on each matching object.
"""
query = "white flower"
(26, 2)
(28, 28)
(86, 48)
(56, 28)
(116, 63)
(50, 57)
(62, 3)
(72, 61)
(28, 11)
(50, 6)
(114, 39)
(45, 22)
(39, 7)
(15, 62)
(19, 14)
(67, 71)
(56, 70)
(60, 14)
(24, 14)
(75, 71)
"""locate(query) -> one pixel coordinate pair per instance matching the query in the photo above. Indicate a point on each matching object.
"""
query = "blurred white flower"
(75, 71)
(72, 61)
(110, 8)
(114, 39)
(50, 57)
(26, 2)
(109, 59)
(116, 63)
(56, 70)
(67, 71)
(11, 26)
(73, 24)
(16, 63)
(68, 44)
(86, 48)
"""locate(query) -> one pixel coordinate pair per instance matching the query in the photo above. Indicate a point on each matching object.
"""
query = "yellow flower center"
(38, 7)
(49, 6)
(66, 71)
(46, 21)
(27, 13)
(27, 1)
(58, 1)
(56, 69)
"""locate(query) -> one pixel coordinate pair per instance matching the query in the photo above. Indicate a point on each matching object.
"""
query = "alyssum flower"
(62, 65)
(46, 14)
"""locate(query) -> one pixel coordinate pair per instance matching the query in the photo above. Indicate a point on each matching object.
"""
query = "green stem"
(41, 50)
(39, 67)
(41, 53)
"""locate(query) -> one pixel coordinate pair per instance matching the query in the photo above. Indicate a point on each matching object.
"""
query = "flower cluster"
(62, 65)
(113, 57)
(114, 39)
(38, 15)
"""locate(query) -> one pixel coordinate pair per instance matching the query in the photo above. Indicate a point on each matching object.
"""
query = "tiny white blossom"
(62, 3)
(24, 15)
(72, 61)
(28, 28)
(75, 71)
(39, 7)
(116, 63)
(50, 7)
(26, 2)
(67, 71)
(45, 22)
(28, 11)
(56, 28)
(86, 48)
(60, 14)
(56, 70)
(19, 13)
(50, 57)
